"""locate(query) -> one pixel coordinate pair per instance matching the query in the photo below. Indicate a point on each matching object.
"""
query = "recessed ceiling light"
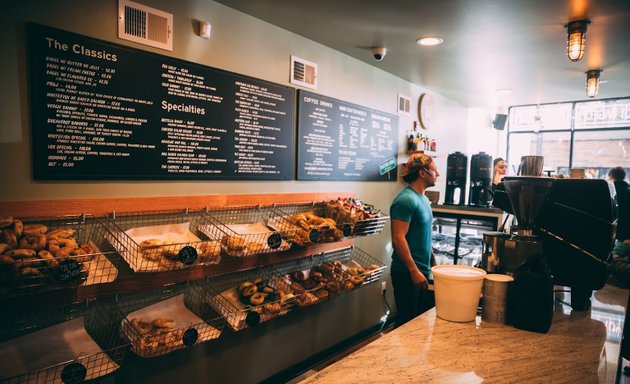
(430, 40)
(504, 91)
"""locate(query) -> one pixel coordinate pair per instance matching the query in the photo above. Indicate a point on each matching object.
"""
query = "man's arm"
(399, 230)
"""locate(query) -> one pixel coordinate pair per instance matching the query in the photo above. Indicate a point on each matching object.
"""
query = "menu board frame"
(253, 148)
(320, 117)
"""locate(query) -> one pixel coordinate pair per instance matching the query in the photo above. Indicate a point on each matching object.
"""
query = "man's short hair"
(617, 173)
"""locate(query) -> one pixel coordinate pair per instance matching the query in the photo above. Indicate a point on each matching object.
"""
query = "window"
(594, 135)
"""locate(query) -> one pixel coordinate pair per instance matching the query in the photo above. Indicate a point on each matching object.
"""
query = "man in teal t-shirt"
(411, 221)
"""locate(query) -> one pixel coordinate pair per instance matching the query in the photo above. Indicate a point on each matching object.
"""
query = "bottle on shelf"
(433, 145)
(410, 143)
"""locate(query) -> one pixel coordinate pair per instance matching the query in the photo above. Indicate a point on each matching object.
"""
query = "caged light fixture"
(576, 38)
(592, 82)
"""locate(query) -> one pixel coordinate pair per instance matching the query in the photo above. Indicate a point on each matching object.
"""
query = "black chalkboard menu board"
(106, 111)
(344, 141)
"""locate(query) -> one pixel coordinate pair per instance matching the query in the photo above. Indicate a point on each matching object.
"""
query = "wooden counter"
(580, 347)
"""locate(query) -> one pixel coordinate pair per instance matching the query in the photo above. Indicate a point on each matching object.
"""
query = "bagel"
(65, 252)
(142, 326)
(5, 221)
(21, 253)
(150, 244)
(30, 272)
(34, 229)
(6, 261)
(161, 322)
(258, 298)
(249, 291)
(356, 280)
(272, 308)
(9, 237)
(18, 227)
(35, 242)
(61, 233)
(3, 248)
(48, 258)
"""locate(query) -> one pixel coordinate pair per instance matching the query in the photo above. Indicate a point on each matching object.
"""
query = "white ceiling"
(489, 44)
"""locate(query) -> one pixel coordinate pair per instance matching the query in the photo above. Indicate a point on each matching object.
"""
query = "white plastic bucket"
(457, 291)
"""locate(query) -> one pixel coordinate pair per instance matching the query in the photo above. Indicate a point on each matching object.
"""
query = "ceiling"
(488, 44)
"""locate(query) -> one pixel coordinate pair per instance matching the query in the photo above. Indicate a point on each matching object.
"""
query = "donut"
(142, 326)
(161, 322)
(48, 258)
(9, 237)
(34, 229)
(5, 221)
(3, 248)
(18, 227)
(258, 298)
(36, 242)
(61, 233)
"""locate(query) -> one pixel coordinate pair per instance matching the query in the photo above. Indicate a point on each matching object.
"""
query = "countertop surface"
(580, 347)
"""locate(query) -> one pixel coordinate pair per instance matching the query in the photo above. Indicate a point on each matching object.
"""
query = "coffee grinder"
(568, 223)
(456, 171)
(480, 179)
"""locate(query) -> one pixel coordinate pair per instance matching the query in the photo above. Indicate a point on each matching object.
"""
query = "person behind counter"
(617, 176)
(411, 222)
(500, 169)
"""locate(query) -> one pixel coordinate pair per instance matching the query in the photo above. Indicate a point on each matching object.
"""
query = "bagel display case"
(70, 344)
(45, 253)
(161, 240)
(248, 231)
(167, 320)
(248, 298)
(333, 220)
(330, 274)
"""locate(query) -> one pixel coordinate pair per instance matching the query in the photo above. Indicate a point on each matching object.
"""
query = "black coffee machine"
(569, 223)
(480, 179)
(456, 171)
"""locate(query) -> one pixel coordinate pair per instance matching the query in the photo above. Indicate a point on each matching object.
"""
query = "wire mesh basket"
(330, 274)
(249, 298)
(322, 222)
(167, 320)
(46, 253)
(249, 231)
(71, 344)
(161, 240)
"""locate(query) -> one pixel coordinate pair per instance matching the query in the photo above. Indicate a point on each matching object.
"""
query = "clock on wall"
(425, 110)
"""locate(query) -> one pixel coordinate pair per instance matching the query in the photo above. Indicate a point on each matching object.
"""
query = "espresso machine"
(480, 179)
(456, 172)
(568, 223)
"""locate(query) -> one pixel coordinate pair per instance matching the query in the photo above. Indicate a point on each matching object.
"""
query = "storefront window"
(594, 135)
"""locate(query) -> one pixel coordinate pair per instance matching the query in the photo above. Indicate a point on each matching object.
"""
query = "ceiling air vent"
(145, 25)
(303, 73)
(404, 104)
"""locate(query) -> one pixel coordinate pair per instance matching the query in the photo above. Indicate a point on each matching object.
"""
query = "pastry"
(18, 227)
(30, 272)
(48, 258)
(322, 294)
(234, 243)
(142, 326)
(272, 308)
(163, 323)
(356, 280)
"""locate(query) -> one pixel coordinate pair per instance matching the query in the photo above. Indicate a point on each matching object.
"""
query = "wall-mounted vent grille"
(404, 104)
(145, 25)
(303, 73)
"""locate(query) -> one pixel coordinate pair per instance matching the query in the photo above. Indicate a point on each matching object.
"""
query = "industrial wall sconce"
(576, 38)
(592, 82)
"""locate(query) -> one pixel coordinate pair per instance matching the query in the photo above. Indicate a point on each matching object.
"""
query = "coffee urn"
(480, 180)
(456, 171)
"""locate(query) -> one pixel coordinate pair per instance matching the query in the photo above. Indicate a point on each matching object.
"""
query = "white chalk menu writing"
(106, 111)
(338, 140)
